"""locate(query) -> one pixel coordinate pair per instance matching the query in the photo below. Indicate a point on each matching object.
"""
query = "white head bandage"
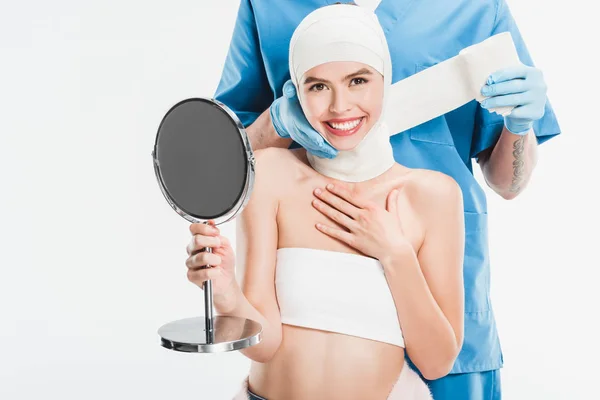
(344, 32)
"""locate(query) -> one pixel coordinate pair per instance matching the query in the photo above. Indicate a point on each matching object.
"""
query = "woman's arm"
(256, 247)
(428, 287)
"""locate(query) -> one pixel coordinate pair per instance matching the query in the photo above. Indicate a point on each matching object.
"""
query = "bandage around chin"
(450, 84)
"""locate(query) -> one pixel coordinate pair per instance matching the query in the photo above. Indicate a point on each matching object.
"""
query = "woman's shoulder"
(278, 160)
(280, 165)
(431, 190)
(431, 182)
(269, 153)
(277, 155)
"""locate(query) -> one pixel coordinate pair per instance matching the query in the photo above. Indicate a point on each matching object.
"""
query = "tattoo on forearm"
(518, 164)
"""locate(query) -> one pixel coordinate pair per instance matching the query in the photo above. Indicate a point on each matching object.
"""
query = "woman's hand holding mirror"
(221, 261)
(197, 137)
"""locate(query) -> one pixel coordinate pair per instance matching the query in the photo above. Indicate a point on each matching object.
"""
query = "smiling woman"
(346, 262)
(342, 101)
(341, 72)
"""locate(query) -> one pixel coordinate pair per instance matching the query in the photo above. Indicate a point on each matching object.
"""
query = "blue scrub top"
(420, 34)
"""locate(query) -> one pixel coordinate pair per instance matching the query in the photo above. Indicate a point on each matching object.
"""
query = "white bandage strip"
(449, 84)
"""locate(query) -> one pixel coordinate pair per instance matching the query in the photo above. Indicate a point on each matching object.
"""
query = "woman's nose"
(340, 103)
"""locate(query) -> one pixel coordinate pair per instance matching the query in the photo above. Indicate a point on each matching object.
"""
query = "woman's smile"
(345, 126)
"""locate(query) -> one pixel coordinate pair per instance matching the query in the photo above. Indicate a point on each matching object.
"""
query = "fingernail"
(484, 104)
(490, 80)
(329, 186)
(485, 90)
(317, 191)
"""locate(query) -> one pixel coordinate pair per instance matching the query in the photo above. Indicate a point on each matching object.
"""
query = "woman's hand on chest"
(375, 230)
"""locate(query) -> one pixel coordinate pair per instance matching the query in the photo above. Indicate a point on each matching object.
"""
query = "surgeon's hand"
(521, 87)
(289, 121)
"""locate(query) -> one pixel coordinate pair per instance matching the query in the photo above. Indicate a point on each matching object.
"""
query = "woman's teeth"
(345, 126)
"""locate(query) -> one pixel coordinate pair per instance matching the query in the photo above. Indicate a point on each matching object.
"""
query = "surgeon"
(255, 85)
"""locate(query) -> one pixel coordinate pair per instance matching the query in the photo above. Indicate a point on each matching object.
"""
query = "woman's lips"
(341, 132)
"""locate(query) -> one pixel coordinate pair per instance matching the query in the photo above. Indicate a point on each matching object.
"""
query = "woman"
(342, 279)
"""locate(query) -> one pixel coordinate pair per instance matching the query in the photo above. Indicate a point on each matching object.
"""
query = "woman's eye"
(359, 81)
(317, 87)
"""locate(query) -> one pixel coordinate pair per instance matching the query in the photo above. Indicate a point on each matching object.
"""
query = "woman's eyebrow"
(362, 71)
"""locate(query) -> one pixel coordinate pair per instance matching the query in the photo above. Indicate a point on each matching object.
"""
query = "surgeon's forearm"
(262, 134)
(508, 168)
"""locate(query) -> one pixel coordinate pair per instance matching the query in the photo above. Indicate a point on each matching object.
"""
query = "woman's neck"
(374, 185)
(372, 157)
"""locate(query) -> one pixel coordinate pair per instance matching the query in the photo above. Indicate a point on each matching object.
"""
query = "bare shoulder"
(269, 156)
(270, 161)
(280, 163)
(433, 191)
(273, 156)
(276, 168)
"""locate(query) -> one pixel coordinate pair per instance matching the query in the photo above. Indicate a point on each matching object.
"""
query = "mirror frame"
(250, 170)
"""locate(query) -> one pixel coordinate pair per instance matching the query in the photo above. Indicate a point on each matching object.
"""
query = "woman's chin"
(342, 143)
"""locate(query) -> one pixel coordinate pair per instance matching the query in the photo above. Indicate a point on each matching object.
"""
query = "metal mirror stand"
(210, 333)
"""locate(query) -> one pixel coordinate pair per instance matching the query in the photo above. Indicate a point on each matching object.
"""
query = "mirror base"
(229, 333)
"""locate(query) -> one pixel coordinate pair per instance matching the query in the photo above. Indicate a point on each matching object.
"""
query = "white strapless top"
(337, 292)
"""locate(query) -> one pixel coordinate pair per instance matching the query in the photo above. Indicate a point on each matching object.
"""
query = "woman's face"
(342, 100)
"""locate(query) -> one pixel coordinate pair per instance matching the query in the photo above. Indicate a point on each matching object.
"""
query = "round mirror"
(205, 169)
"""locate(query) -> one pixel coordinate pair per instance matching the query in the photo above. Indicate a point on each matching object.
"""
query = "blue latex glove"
(522, 87)
(289, 121)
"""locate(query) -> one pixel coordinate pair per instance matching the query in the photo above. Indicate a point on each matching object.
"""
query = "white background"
(92, 257)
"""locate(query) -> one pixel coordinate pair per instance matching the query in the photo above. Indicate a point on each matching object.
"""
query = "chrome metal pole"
(208, 307)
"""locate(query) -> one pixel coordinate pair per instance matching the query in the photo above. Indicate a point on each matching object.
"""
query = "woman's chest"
(297, 217)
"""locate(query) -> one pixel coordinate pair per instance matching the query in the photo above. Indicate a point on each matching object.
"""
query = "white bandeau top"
(337, 292)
